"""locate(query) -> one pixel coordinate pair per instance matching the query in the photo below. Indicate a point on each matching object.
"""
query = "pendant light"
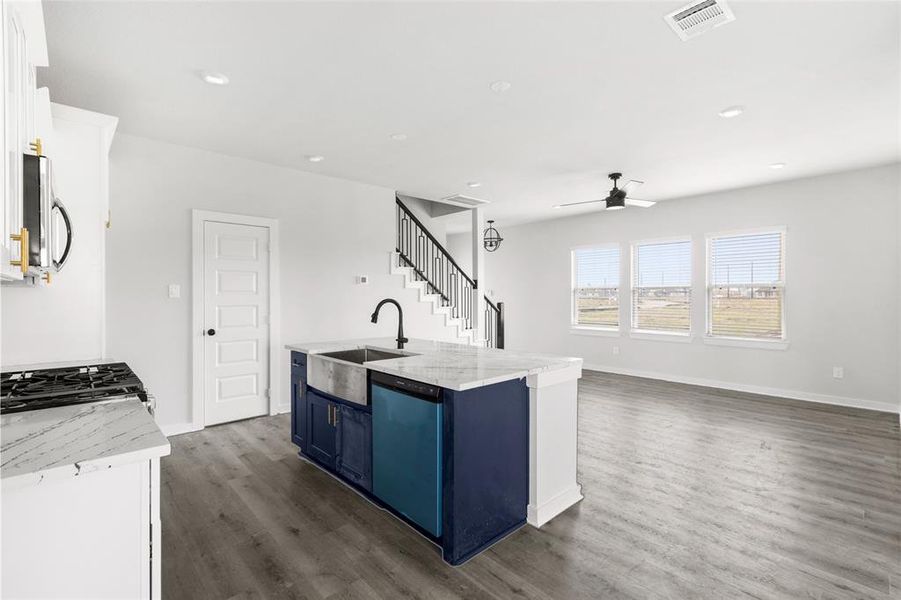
(491, 239)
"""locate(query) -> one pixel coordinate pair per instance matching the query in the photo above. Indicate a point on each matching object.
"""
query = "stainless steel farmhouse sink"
(361, 355)
(342, 373)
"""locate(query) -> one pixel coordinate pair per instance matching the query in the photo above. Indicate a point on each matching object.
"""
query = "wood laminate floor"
(689, 493)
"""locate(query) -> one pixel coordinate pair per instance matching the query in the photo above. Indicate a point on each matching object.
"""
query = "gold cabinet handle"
(22, 238)
(46, 277)
(329, 414)
(37, 146)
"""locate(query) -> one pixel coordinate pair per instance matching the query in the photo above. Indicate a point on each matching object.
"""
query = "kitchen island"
(466, 444)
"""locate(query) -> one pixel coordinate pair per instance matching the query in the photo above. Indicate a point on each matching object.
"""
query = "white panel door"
(236, 322)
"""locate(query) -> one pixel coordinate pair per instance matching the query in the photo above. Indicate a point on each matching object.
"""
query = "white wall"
(842, 282)
(64, 321)
(331, 230)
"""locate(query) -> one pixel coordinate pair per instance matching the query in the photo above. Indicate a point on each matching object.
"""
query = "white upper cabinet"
(24, 47)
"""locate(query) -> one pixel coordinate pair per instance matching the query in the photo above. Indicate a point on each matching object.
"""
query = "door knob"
(211, 332)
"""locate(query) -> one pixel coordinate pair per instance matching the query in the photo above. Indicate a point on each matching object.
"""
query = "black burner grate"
(46, 388)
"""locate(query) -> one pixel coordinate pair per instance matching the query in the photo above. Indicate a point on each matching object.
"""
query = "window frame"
(780, 343)
(581, 328)
(661, 334)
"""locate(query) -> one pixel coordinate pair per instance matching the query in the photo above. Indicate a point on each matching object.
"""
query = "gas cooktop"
(47, 388)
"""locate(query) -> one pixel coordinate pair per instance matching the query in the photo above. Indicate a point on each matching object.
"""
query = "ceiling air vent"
(464, 201)
(699, 17)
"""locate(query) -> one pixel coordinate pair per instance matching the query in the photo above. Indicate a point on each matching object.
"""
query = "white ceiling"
(596, 87)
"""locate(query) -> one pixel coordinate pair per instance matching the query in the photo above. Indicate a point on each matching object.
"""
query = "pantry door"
(235, 321)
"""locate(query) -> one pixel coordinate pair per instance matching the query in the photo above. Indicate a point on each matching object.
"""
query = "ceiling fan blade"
(578, 203)
(639, 203)
(633, 185)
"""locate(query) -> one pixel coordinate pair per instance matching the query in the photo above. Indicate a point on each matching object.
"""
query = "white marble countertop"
(448, 365)
(67, 441)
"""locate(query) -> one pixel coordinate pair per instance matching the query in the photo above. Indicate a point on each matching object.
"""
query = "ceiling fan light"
(616, 202)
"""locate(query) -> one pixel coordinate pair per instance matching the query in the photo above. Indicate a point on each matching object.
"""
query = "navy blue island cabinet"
(333, 432)
(480, 481)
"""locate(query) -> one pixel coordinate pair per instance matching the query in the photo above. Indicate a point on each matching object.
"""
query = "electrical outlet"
(174, 290)
(362, 279)
(616, 350)
(838, 372)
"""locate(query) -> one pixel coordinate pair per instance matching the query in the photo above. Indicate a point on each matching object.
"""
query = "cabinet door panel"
(15, 130)
(320, 430)
(354, 458)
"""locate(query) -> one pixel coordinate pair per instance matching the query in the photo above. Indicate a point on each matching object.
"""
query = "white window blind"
(661, 287)
(745, 286)
(595, 288)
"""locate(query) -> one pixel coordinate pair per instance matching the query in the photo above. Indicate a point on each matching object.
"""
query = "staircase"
(426, 266)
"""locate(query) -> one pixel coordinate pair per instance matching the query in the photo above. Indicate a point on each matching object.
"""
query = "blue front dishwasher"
(406, 448)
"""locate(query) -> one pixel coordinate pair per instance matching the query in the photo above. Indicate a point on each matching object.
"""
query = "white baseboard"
(178, 429)
(537, 516)
(752, 389)
(281, 409)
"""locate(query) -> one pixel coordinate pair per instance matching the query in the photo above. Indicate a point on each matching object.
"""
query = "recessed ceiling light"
(474, 184)
(499, 87)
(777, 166)
(731, 111)
(214, 78)
(316, 158)
(398, 137)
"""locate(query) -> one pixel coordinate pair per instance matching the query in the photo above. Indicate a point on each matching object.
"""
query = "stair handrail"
(462, 304)
(428, 233)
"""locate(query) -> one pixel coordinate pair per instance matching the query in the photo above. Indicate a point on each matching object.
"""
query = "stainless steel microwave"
(45, 218)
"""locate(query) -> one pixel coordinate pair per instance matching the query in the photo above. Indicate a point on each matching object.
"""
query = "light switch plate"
(174, 290)
(362, 279)
(838, 372)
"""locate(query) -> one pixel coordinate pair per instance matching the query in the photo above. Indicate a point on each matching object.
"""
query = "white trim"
(198, 218)
(177, 429)
(282, 409)
(752, 231)
(537, 516)
(600, 331)
(548, 378)
(661, 336)
(664, 240)
(752, 389)
(761, 344)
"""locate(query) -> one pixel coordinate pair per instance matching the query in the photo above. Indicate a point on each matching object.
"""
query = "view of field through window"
(661, 287)
(596, 290)
(746, 289)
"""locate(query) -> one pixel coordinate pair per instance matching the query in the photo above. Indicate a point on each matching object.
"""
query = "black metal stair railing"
(433, 265)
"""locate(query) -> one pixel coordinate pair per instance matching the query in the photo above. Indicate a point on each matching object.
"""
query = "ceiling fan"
(618, 197)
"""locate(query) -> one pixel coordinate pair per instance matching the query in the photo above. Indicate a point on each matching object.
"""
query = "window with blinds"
(661, 287)
(595, 287)
(745, 285)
